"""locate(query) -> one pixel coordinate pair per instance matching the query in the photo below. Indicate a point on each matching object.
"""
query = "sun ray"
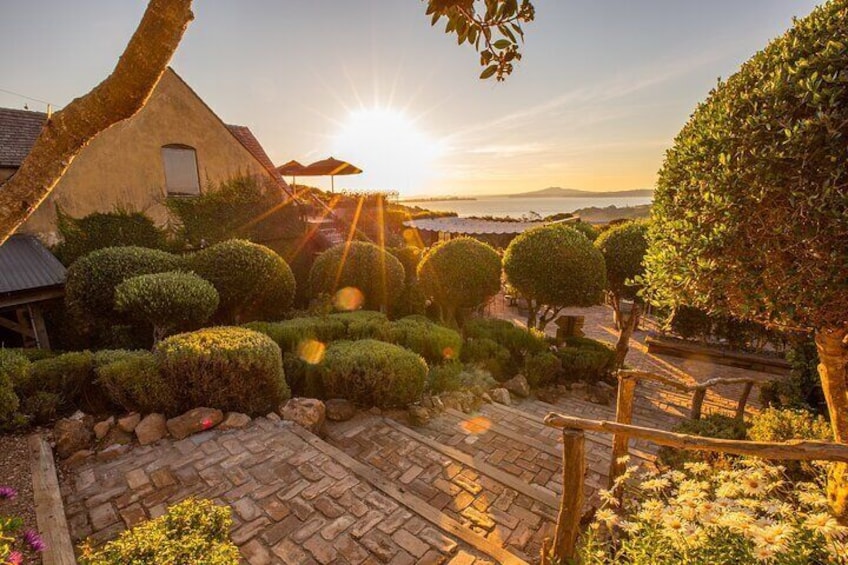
(349, 241)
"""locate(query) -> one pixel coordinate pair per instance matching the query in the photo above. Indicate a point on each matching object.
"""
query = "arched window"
(181, 176)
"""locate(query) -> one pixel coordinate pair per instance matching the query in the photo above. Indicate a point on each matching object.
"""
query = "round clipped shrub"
(225, 367)
(373, 373)
(624, 247)
(489, 355)
(542, 369)
(590, 231)
(91, 281)
(167, 301)
(252, 281)
(409, 256)
(435, 343)
(553, 267)
(460, 273)
(131, 380)
(377, 274)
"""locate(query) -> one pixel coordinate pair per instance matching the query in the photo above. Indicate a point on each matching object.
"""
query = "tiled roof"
(25, 264)
(18, 131)
(246, 137)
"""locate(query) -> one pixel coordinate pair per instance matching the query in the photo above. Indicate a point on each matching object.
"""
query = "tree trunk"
(532, 314)
(615, 302)
(628, 326)
(120, 96)
(832, 346)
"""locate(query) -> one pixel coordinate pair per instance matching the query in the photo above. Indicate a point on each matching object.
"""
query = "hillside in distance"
(557, 192)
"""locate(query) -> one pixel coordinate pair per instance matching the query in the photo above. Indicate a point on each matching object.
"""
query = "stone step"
(505, 510)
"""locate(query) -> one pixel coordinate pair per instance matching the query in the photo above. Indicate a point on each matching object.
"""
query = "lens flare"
(348, 299)
(311, 351)
(448, 353)
(477, 425)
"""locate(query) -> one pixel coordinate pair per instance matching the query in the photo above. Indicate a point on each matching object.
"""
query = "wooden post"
(623, 415)
(697, 402)
(743, 401)
(568, 520)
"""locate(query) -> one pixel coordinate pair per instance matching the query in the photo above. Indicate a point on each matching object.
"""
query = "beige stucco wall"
(123, 165)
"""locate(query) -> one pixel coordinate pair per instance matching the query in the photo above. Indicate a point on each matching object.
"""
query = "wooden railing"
(564, 545)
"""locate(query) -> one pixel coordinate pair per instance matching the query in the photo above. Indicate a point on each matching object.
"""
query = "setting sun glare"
(392, 151)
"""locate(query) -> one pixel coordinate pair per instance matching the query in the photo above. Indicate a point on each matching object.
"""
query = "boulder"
(273, 416)
(438, 405)
(78, 457)
(102, 428)
(151, 428)
(339, 409)
(518, 386)
(73, 434)
(418, 415)
(486, 397)
(309, 413)
(234, 421)
(501, 396)
(193, 421)
(117, 436)
(129, 422)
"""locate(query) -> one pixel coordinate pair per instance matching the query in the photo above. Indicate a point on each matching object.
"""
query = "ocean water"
(503, 206)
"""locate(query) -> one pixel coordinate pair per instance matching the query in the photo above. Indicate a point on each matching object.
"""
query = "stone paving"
(291, 503)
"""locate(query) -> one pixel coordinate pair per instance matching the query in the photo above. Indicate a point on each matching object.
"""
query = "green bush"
(624, 247)
(586, 359)
(462, 273)
(802, 389)
(168, 301)
(131, 380)
(778, 425)
(715, 426)
(409, 256)
(195, 531)
(374, 272)
(553, 267)
(363, 324)
(225, 367)
(14, 365)
(411, 301)
(303, 374)
(542, 369)
(489, 355)
(252, 281)
(121, 228)
(433, 342)
(69, 376)
(42, 406)
(444, 377)
(9, 401)
(590, 231)
(91, 281)
(519, 341)
(691, 323)
(373, 373)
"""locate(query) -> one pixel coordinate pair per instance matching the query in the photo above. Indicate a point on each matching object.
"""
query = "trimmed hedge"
(586, 359)
(489, 355)
(191, 532)
(91, 281)
(373, 373)
(542, 369)
(131, 380)
(433, 342)
(229, 368)
(69, 376)
(167, 301)
(376, 273)
(252, 281)
(11, 365)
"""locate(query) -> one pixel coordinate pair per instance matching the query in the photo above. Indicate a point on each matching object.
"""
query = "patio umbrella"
(292, 169)
(330, 168)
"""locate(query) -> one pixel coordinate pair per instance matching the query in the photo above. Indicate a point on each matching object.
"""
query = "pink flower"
(15, 558)
(34, 541)
(7, 493)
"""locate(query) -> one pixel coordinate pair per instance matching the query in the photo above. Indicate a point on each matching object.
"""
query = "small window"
(181, 170)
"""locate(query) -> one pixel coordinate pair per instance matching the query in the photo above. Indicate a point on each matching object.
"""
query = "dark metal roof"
(18, 132)
(25, 264)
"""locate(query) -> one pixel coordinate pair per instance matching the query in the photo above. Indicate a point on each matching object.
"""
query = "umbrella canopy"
(330, 167)
(292, 169)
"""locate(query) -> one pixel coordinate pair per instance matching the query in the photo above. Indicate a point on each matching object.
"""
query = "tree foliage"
(553, 267)
(624, 247)
(167, 301)
(492, 27)
(460, 273)
(751, 207)
(374, 272)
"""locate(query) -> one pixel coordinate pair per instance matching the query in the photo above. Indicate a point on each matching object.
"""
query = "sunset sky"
(603, 88)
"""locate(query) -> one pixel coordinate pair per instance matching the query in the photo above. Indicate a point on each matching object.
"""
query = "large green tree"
(750, 214)
(553, 267)
(492, 27)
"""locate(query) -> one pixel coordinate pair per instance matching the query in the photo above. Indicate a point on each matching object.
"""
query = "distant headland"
(557, 192)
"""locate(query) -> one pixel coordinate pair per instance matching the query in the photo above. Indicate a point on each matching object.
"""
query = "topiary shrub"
(69, 376)
(228, 368)
(586, 359)
(373, 373)
(714, 425)
(194, 531)
(374, 272)
(91, 281)
(168, 301)
(444, 377)
(435, 343)
(363, 324)
(489, 355)
(519, 341)
(131, 380)
(590, 231)
(542, 369)
(252, 281)
(409, 256)
(121, 228)
(462, 273)
(289, 334)
(553, 267)
(779, 425)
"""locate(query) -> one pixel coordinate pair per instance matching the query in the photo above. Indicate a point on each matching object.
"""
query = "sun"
(394, 154)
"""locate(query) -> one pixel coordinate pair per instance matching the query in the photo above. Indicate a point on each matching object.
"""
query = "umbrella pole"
(332, 184)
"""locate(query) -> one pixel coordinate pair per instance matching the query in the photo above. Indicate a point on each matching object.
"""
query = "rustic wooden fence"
(564, 544)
